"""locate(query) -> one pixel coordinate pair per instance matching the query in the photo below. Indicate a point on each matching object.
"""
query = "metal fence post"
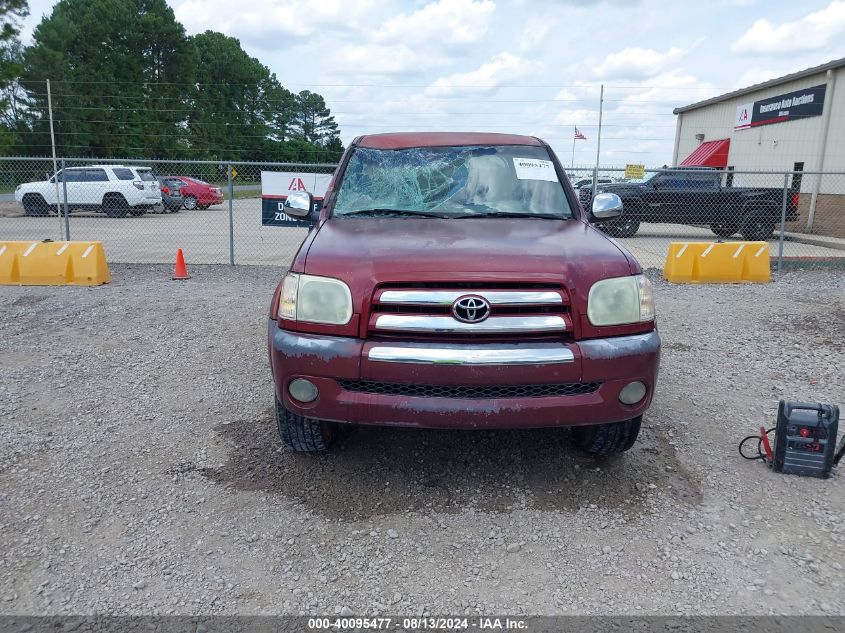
(782, 221)
(64, 194)
(231, 217)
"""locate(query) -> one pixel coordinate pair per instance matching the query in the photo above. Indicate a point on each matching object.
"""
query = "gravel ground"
(140, 472)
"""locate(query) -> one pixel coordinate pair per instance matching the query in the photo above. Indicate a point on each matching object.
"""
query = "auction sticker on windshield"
(534, 169)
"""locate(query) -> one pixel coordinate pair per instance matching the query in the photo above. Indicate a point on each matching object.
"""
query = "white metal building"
(795, 122)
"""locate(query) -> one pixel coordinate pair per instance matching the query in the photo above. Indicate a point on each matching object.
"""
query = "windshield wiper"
(394, 212)
(507, 214)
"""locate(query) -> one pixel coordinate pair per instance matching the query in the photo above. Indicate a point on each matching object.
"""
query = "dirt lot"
(140, 471)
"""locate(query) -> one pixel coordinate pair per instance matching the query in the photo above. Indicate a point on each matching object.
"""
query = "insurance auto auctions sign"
(791, 106)
(277, 185)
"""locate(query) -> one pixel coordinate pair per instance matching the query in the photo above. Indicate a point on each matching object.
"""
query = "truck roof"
(402, 140)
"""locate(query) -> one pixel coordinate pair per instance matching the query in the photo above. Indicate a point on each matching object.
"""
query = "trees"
(127, 82)
(313, 121)
(119, 69)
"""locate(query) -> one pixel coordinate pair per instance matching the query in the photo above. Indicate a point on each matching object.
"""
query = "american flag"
(579, 135)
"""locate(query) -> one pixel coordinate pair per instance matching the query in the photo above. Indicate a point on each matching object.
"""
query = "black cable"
(760, 453)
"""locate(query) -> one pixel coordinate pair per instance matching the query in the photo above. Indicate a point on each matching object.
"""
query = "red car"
(197, 194)
(453, 281)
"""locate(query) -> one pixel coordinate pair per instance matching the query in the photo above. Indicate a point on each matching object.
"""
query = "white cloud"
(814, 32)
(636, 62)
(273, 23)
(451, 22)
(501, 68)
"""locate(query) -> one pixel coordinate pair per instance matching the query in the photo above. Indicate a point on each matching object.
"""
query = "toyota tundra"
(452, 280)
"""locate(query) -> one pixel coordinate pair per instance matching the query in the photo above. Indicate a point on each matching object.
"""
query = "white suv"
(117, 190)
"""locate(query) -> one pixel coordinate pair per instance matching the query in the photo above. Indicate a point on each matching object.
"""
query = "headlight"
(315, 300)
(621, 300)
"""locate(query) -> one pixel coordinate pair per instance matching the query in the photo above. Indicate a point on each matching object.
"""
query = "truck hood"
(365, 252)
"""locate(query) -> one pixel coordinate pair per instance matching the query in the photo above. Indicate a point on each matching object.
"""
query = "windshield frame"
(574, 211)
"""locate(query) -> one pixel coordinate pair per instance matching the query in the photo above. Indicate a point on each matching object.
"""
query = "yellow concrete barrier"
(717, 262)
(53, 264)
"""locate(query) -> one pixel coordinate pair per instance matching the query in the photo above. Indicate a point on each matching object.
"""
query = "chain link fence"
(144, 210)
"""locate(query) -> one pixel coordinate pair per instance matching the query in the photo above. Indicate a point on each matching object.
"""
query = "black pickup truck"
(697, 197)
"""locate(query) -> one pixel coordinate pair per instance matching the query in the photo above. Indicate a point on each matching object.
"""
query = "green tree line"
(127, 81)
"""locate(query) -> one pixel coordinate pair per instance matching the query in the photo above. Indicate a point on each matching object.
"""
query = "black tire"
(190, 202)
(723, 229)
(35, 205)
(301, 434)
(115, 205)
(623, 227)
(758, 228)
(608, 439)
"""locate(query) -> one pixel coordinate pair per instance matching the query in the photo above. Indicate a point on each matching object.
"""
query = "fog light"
(303, 390)
(632, 393)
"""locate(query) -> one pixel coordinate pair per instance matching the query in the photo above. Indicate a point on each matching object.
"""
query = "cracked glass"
(455, 181)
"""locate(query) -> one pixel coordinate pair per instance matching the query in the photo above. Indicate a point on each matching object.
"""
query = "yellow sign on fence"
(634, 172)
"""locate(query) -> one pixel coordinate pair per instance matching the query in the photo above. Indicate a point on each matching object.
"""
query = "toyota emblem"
(470, 309)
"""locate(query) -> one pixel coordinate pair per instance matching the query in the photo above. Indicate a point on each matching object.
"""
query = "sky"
(523, 66)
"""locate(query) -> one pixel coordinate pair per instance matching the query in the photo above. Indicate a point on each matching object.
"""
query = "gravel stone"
(154, 480)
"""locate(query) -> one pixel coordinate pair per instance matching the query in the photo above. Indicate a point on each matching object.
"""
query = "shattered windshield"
(456, 182)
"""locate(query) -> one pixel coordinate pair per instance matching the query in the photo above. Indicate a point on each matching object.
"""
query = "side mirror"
(606, 206)
(299, 204)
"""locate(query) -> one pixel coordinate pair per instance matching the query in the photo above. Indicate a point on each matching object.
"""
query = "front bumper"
(328, 361)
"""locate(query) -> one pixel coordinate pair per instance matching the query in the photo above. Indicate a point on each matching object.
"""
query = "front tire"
(35, 205)
(723, 229)
(608, 439)
(758, 228)
(623, 227)
(190, 202)
(301, 434)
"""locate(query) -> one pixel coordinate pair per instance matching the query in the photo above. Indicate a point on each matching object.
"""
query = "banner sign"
(275, 187)
(801, 104)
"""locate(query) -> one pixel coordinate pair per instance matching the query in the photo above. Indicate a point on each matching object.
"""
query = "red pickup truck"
(452, 280)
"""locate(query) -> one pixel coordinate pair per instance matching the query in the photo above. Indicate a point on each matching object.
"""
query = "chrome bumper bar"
(497, 324)
(472, 355)
(448, 297)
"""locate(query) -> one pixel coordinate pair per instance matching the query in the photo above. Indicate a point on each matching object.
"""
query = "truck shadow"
(377, 471)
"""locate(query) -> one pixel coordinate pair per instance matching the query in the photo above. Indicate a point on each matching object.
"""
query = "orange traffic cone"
(180, 272)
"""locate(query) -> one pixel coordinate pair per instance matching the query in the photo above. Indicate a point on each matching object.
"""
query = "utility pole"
(598, 147)
(55, 166)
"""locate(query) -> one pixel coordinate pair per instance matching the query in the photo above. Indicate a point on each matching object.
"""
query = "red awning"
(709, 154)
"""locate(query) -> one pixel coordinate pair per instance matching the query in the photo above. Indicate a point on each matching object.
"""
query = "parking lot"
(140, 470)
(204, 236)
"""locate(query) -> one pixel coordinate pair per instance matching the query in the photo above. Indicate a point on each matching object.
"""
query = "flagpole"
(598, 147)
(572, 164)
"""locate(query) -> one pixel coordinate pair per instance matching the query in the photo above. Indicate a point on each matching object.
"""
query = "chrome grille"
(476, 392)
(513, 310)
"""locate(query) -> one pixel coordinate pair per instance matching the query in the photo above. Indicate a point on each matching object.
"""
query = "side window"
(123, 173)
(175, 183)
(146, 175)
(71, 175)
(704, 181)
(96, 175)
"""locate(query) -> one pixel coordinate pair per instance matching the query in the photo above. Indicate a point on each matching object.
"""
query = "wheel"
(723, 229)
(301, 434)
(115, 206)
(35, 205)
(608, 439)
(624, 227)
(758, 228)
(190, 202)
